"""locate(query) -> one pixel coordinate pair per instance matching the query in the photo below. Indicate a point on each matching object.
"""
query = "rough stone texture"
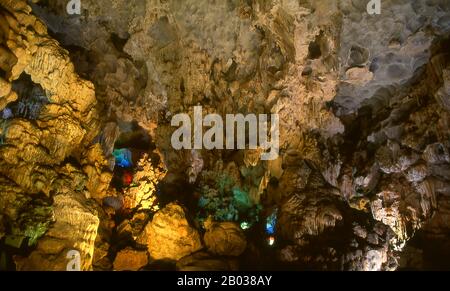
(75, 229)
(225, 238)
(33, 152)
(130, 260)
(364, 106)
(146, 178)
(308, 216)
(169, 235)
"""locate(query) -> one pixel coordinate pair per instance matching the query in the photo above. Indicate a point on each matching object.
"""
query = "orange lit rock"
(96, 168)
(143, 194)
(130, 260)
(364, 108)
(35, 156)
(169, 235)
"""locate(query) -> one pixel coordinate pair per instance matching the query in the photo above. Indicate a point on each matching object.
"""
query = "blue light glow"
(123, 158)
(271, 222)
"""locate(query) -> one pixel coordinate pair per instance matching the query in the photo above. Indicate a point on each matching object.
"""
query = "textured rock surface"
(146, 178)
(225, 238)
(33, 152)
(169, 235)
(130, 260)
(362, 181)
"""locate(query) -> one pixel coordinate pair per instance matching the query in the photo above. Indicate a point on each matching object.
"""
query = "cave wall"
(364, 108)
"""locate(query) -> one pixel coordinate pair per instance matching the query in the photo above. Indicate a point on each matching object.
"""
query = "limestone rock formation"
(33, 152)
(225, 238)
(361, 181)
(75, 229)
(143, 194)
(130, 260)
(169, 235)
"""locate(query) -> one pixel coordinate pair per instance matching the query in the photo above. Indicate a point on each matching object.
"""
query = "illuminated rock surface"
(362, 181)
(169, 235)
(130, 260)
